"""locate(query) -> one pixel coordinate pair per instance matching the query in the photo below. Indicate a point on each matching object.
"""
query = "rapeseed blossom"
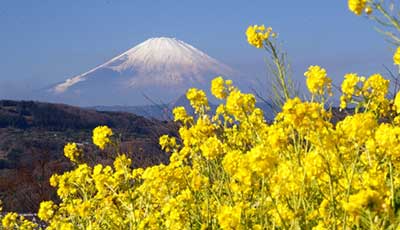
(72, 152)
(367, 93)
(350, 88)
(368, 10)
(349, 84)
(367, 198)
(212, 148)
(357, 6)
(181, 115)
(317, 80)
(239, 104)
(46, 211)
(230, 169)
(256, 35)
(235, 171)
(396, 56)
(220, 87)
(167, 143)
(197, 99)
(229, 217)
(13, 221)
(397, 102)
(10, 220)
(101, 136)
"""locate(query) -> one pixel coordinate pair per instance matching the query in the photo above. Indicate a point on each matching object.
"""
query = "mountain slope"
(160, 68)
(33, 134)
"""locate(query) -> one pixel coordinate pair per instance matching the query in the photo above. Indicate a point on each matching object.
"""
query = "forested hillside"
(33, 134)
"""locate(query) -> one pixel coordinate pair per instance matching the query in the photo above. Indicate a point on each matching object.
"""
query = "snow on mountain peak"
(161, 62)
(169, 55)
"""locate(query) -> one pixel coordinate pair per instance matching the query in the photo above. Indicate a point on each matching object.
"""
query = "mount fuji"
(160, 69)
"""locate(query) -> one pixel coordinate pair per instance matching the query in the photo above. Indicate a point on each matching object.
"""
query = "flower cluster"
(46, 210)
(397, 102)
(167, 143)
(396, 56)
(13, 221)
(317, 81)
(101, 136)
(72, 152)
(368, 93)
(358, 6)
(232, 170)
(198, 99)
(256, 35)
(220, 87)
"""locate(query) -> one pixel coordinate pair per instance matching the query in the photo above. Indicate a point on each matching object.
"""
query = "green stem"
(276, 207)
(392, 20)
(353, 168)
(279, 65)
(391, 184)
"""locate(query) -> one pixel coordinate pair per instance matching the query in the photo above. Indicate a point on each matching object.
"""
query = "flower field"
(230, 169)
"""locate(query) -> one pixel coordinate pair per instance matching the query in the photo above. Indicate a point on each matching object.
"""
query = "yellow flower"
(324, 208)
(167, 143)
(387, 139)
(376, 87)
(343, 102)
(261, 159)
(212, 148)
(364, 199)
(84, 209)
(218, 88)
(10, 220)
(66, 226)
(46, 210)
(25, 224)
(101, 136)
(54, 180)
(317, 80)
(256, 35)
(357, 127)
(122, 163)
(368, 10)
(349, 83)
(233, 170)
(72, 152)
(198, 100)
(180, 114)
(350, 88)
(357, 6)
(397, 102)
(240, 104)
(396, 56)
(229, 217)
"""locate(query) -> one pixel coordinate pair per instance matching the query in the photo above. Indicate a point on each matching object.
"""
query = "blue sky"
(45, 41)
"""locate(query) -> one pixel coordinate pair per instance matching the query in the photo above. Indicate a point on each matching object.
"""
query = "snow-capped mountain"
(159, 68)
